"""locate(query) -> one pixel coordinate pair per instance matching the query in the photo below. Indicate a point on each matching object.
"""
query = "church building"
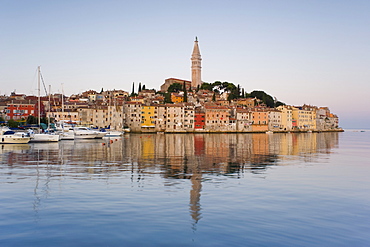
(196, 71)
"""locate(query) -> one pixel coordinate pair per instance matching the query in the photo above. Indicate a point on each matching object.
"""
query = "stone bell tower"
(196, 66)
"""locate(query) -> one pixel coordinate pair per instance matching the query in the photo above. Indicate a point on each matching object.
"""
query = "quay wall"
(234, 132)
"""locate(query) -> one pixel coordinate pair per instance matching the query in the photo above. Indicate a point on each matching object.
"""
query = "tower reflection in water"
(172, 156)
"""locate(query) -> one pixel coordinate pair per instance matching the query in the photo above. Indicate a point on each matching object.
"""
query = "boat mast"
(62, 100)
(38, 96)
(49, 108)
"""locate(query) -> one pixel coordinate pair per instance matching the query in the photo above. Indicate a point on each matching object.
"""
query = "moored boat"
(84, 133)
(99, 134)
(44, 137)
(67, 134)
(113, 134)
(7, 136)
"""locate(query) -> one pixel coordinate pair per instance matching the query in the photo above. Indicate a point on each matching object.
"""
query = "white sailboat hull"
(45, 137)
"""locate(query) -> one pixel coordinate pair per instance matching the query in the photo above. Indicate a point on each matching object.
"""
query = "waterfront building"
(199, 118)
(286, 117)
(20, 109)
(259, 119)
(325, 120)
(86, 116)
(322, 117)
(304, 117)
(174, 117)
(189, 111)
(161, 118)
(274, 120)
(333, 121)
(132, 116)
(100, 116)
(216, 117)
(243, 122)
(115, 118)
(311, 118)
(148, 117)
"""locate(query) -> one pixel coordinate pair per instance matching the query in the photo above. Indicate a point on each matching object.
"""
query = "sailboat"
(39, 136)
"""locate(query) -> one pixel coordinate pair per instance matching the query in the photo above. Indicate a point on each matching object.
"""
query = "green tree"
(185, 93)
(12, 123)
(175, 87)
(206, 86)
(31, 120)
(279, 103)
(44, 120)
(143, 88)
(214, 96)
(139, 89)
(167, 98)
(266, 99)
(133, 89)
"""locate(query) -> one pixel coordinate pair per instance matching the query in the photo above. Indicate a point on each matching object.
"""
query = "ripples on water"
(188, 190)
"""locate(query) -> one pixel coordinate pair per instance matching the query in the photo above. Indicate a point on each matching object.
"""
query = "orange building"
(259, 119)
(177, 98)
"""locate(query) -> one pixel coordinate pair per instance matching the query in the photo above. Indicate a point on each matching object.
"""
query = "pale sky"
(302, 52)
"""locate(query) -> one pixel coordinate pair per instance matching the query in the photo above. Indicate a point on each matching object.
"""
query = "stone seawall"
(235, 132)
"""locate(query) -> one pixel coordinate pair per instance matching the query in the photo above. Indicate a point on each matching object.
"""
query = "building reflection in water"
(172, 156)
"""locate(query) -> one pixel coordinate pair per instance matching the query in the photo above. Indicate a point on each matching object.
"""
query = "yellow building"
(304, 117)
(286, 116)
(148, 117)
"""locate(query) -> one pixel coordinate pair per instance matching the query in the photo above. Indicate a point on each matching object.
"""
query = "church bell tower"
(196, 66)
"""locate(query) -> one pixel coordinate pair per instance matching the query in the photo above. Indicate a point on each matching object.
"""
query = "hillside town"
(179, 106)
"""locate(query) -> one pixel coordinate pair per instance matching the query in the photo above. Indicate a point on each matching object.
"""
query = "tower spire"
(196, 65)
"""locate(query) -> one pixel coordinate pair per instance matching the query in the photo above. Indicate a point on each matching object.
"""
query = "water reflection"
(172, 156)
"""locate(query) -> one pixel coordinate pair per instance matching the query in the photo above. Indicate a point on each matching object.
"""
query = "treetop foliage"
(234, 92)
(175, 87)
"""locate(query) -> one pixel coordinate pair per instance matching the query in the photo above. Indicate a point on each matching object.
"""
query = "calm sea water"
(188, 190)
